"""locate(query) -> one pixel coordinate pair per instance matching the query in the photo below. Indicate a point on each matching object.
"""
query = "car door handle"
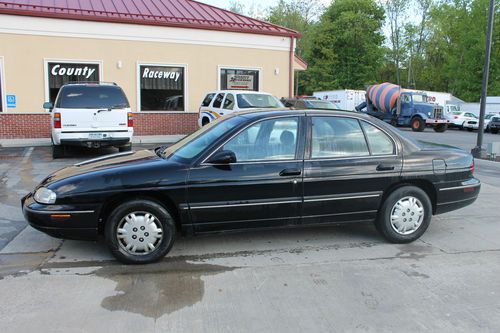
(385, 167)
(290, 172)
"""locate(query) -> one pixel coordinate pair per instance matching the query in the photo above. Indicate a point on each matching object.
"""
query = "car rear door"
(91, 108)
(263, 188)
(348, 165)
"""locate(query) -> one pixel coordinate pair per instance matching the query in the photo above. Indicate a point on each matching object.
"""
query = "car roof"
(239, 92)
(262, 113)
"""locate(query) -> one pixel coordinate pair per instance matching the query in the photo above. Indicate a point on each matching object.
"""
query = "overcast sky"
(263, 4)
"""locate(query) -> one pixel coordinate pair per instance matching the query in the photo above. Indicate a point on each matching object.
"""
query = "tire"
(130, 216)
(57, 151)
(469, 129)
(409, 198)
(461, 127)
(205, 121)
(494, 131)
(440, 128)
(417, 124)
(125, 148)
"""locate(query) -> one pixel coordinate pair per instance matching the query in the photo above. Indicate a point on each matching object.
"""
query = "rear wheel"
(57, 151)
(417, 124)
(440, 128)
(127, 147)
(469, 129)
(140, 232)
(405, 215)
(494, 131)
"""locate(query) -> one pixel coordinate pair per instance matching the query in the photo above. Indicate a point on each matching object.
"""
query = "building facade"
(166, 56)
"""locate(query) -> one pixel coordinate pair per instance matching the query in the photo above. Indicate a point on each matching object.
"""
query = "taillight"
(455, 117)
(57, 120)
(472, 167)
(130, 119)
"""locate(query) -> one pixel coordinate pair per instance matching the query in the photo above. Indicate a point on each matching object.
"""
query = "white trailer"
(346, 99)
(446, 100)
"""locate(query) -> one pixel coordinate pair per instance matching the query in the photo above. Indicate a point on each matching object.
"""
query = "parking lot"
(330, 278)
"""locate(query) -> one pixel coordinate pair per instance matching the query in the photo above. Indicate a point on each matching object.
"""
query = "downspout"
(290, 69)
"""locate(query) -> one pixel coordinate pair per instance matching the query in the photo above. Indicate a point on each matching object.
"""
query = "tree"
(396, 14)
(345, 47)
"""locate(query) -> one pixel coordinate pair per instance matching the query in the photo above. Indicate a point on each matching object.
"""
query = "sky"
(261, 4)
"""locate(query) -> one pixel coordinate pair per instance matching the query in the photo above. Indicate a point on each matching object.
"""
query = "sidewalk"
(160, 139)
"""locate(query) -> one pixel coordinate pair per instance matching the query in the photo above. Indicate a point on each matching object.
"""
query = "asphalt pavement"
(321, 279)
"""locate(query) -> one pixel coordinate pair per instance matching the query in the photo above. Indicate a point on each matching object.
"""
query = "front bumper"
(437, 121)
(62, 221)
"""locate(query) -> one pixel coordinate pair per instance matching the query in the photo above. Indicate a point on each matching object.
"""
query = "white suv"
(91, 115)
(221, 102)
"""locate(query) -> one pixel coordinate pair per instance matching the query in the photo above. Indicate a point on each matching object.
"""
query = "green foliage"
(346, 47)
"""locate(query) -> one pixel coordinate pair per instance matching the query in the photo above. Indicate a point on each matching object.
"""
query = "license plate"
(97, 136)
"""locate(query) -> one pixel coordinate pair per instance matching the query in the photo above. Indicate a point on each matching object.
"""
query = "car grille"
(438, 113)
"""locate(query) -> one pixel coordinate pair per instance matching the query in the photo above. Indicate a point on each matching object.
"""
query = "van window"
(208, 99)
(91, 97)
(218, 100)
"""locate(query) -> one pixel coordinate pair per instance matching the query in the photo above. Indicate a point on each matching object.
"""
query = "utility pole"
(479, 151)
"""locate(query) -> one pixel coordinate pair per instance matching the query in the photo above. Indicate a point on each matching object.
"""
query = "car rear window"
(91, 97)
(246, 101)
(208, 99)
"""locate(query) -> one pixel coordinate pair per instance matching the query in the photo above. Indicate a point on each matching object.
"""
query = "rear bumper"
(81, 137)
(62, 221)
(454, 196)
(95, 143)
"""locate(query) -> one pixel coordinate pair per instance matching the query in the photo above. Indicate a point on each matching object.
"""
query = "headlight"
(45, 196)
(429, 114)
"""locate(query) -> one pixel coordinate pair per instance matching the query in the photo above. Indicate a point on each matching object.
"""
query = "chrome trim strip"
(59, 211)
(459, 187)
(338, 214)
(246, 204)
(343, 198)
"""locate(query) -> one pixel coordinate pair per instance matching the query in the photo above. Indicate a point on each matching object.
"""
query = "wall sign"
(11, 101)
(161, 88)
(238, 81)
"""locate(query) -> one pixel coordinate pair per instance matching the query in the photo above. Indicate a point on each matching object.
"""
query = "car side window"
(208, 99)
(218, 100)
(229, 102)
(380, 143)
(268, 140)
(337, 137)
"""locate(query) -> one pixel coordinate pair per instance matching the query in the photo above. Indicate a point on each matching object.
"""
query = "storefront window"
(162, 88)
(60, 73)
(239, 79)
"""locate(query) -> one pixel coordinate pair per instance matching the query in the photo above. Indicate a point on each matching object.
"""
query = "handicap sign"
(11, 101)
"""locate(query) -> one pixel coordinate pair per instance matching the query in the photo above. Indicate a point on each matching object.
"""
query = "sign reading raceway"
(167, 73)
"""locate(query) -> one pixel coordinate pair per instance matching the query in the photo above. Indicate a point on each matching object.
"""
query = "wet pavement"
(330, 278)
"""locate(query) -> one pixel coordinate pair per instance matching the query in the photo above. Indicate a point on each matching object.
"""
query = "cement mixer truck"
(401, 107)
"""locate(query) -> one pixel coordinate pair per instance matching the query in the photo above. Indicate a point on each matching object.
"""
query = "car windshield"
(247, 101)
(321, 105)
(194, 144)
(91, 97)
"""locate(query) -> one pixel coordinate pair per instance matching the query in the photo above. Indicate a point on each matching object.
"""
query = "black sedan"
(252, 170)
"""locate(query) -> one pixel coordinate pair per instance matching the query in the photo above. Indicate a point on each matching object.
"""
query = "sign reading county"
(11, 101)
(238, 81)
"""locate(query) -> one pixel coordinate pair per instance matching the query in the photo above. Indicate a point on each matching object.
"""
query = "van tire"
(125, 148)
(205, 121)
(57, 151)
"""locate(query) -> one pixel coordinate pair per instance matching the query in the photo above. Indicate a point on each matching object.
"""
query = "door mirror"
(223, 157)
(48, 105)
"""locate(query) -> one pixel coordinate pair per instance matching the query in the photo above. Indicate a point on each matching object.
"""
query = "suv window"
(229, 102)
(273, 139)
(208, 99)
(218, 100)
(380, 143)
(337, 137)
(91, 97)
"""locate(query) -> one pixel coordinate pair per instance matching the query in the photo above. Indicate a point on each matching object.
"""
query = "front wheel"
(494, 131)
(405, 215)
(140, 232)
(441, 128)
(417, 124)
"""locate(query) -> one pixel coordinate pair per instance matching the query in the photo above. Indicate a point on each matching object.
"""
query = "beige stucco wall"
(24, 56)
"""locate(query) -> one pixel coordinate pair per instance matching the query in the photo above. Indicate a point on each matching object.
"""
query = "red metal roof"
(173, 13)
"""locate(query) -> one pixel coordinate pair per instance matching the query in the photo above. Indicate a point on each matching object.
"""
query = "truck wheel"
(494, 131)
(57, 151)
(440, 128)
(417, 124)
(204, 121)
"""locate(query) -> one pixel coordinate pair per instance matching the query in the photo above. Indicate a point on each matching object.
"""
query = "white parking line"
(27, 154)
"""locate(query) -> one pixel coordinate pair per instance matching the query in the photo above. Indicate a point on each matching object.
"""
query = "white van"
(218, 103)
(91, 115)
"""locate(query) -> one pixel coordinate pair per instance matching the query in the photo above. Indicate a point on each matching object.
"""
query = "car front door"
(262, 188)
(348, 165)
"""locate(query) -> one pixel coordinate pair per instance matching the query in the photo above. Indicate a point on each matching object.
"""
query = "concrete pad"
(31, 240)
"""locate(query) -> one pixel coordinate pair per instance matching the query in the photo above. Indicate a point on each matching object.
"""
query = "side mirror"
(222, 157)
(48, 105)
